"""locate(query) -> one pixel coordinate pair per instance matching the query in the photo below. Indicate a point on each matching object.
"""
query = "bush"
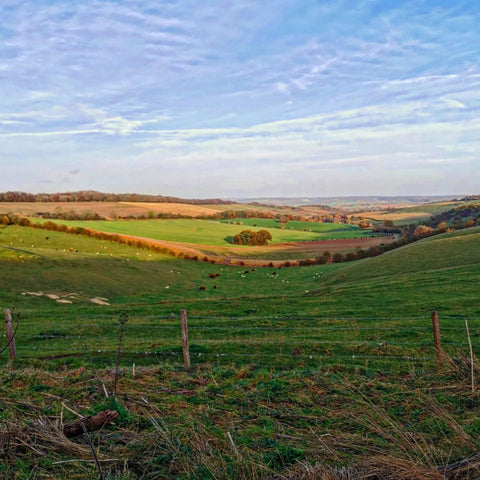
(249, 237)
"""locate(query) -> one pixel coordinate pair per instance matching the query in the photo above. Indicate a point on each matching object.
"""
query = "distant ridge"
(353, 200)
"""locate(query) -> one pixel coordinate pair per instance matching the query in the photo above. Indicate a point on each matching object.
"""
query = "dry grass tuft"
(39, 437)
(374, 468)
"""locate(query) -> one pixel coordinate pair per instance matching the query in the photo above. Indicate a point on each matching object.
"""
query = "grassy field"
(403, 282)
(209, 232)
(298, 373)
(328, 230)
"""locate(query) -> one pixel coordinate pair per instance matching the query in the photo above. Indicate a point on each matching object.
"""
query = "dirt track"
(264, 256)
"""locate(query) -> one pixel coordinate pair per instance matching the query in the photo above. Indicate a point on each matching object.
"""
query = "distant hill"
(351, 202)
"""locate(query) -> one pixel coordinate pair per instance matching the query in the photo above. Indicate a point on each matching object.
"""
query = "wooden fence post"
(10, 334)
(186, 353)
(436, 339)
(472, 372)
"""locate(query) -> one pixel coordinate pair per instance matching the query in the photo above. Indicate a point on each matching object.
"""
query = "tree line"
(94, 196)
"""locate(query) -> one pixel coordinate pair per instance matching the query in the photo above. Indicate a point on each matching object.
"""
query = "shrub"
(249, 237)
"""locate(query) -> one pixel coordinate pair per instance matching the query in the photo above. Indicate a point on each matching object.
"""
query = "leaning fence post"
(436, 339)
(186, 353)
(10, 334)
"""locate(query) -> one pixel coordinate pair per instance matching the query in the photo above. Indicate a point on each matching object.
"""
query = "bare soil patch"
(174, 208)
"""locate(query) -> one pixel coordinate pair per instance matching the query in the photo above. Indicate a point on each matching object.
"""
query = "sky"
(240, 98)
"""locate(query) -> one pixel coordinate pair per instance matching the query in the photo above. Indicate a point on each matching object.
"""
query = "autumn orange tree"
(249, 237)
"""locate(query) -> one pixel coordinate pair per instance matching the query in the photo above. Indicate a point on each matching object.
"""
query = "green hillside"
(440, 272)
(454, 250)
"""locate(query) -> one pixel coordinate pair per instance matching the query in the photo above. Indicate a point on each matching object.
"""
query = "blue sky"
(242, 98)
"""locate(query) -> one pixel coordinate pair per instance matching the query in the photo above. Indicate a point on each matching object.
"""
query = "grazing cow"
(202, 287)
(211, 275)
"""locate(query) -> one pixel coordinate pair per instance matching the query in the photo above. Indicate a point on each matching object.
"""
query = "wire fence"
(386, 343)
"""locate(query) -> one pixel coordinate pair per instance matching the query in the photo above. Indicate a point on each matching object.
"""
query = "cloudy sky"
(203, 98)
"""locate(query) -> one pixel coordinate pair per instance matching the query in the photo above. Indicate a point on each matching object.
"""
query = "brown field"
(174, 208)
(110, 210)
(385, 215)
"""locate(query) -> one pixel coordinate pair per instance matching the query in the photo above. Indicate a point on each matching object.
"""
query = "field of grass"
(436, 273)
(209, 232)
(328, 230)
(298, 373)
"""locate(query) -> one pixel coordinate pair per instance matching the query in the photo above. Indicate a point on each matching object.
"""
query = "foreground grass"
(247, 422)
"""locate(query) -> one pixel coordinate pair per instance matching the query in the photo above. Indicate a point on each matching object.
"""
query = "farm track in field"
(264, 255)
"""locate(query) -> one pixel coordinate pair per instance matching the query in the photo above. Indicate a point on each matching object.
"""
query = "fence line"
(238, 317)
(305, 340)
(378, 343)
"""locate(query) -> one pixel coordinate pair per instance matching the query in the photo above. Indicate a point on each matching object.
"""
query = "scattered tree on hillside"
(364, 224)
(422, 231)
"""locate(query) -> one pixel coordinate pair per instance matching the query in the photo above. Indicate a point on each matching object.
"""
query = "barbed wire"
(236, 354)
(272, 328)
(171, 316)
(240, 341)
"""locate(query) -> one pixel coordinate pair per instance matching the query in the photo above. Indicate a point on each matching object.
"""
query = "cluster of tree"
(70, 215)
(94, 196)
(249, 237)
(14, 220)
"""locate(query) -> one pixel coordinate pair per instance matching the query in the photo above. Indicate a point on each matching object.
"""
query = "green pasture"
(253, 222)
(406, 279)
(209, 232)
(329, 230)
(241, 311)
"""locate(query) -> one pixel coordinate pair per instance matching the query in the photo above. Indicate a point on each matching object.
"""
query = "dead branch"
(91, 423)
(470, 463)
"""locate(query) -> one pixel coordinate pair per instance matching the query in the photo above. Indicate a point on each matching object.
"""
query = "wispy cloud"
(303, 94)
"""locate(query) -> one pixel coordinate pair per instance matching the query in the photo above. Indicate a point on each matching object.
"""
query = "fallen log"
(91, 423)
(452, 470)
